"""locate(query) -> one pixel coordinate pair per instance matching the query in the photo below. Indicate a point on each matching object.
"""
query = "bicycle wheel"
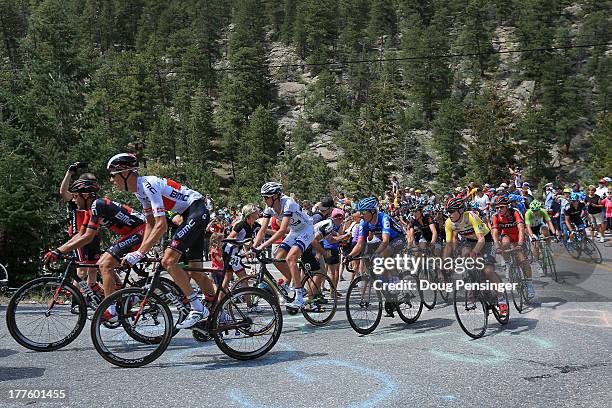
(551, 263)
(429, 296)
(495, 308)
(319, 308)
(364, 305)
(243, 335)
(36, 326)
(173, 295)
(572, 247)
(444, 280)
(590, 249)
(471, 312)
(253, 282)
(410, 301)
(519, 295)
(147, 328)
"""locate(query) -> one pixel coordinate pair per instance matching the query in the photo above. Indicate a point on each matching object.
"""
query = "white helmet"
(271, 188)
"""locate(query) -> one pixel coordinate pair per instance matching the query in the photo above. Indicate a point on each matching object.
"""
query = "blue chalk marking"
(296, 370)
(498, 356)
(449, 397)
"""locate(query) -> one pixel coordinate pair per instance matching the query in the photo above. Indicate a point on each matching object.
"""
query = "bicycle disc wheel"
(471, 312)
(145, 332)
(429, 296)
(243, 335)
(410, 301)
(319, 307)
(364, 305)
(36, 327)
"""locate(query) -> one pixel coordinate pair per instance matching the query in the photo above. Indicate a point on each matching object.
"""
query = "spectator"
(516, 174)
(307, 206)
(341, 199)
(594, 208)
(431, 197)
(482, 200)
(210, 204)
(549, 195)
(526, 194)
(354, 202)
(607, 203)
(395, 185)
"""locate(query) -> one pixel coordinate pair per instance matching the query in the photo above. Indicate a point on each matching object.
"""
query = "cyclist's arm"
(84, 237)
(63, 190)
(386, 238)
(316, 245)
(262, 232)
(521, 228)
(156, 227)
(410, 236)
(434, 233)
(567, 223)
(282, 230)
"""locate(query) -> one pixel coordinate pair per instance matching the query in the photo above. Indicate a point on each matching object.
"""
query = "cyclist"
(477, 238)
(508, 227)
(574, 213)
(537, 221)
(118, 218)
(158, 195)
(389, 238)
(421, 228)
(299, 230)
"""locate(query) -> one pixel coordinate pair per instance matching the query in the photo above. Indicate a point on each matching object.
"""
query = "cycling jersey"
(118, 218)
(468, 226)
(508, 224)
(245, 231)
(384, 225)
(536, 218)
(289, 208)
(575, 213)
(158, 195)
(91, 252)
(422, 230)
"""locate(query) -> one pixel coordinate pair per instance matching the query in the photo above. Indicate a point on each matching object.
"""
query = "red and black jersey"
(508, 225)
(423, 228)
(77, 216)
(118, 218)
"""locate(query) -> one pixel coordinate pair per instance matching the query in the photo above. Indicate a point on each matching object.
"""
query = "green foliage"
(600, 155)
(448, 142)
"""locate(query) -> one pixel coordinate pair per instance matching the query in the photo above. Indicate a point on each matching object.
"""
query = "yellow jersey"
(468, 226)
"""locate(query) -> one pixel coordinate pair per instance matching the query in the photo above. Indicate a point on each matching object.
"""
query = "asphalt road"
(557, 354)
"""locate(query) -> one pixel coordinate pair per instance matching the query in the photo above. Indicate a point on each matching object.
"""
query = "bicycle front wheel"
(410, 300)
(364, 305)
(145, 331)
(41, 316)
(429, 296)
(519, 295)
(245, 335)
(471, 312)
(318, 308)
(590, 249)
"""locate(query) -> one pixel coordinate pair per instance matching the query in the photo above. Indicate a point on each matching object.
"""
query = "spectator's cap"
(526, 184)
(486, 185)
(458, 189)
(417, 191)
(411, 190)
(429, 190)
(478, 189)
(504, 185)
(337, 213)
(326, 203)
(608, 179)
(492, 189)
(566, 190)
(548, 185)
(577, 184)
(602, 181)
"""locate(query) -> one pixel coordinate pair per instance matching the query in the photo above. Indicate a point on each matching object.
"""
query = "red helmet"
(502, 200)
(84, 186)
(455, 203)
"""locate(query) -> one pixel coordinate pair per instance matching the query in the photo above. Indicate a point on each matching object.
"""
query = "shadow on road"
(7, 352)
(20, 373)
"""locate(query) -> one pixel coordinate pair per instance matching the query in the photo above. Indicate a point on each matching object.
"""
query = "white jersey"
(158, 195)
(289, 208)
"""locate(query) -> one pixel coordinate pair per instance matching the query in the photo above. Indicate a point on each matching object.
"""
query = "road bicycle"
(364, 298)
(48, 313)
(472, 304)
(546, 256)
(146, 323)
(579, 245)
(4, 279)
(320, 301)
(517, 276)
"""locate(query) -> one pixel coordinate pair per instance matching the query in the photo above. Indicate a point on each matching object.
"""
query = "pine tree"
(535, 132)
(448, 141)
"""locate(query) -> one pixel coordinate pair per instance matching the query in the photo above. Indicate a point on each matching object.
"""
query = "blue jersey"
(384, 225)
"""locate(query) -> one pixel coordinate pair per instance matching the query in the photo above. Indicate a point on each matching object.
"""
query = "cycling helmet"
(271, 188)
(575, 197)
(501, 200)
(121, 162)
(249, 209)
(535, 205)
(84, 186)
(366, 204)
(473, 205)
(515, 197)
(455, 203)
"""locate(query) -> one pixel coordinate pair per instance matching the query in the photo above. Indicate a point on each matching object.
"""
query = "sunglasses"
(500, 206)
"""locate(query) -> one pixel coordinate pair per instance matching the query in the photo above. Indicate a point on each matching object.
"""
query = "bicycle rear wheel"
(145, 332)
(429, 296)
(519, 296)
(36, 326)
(410, 301)
(572, 247)
(471, 312)
(364, 305)
(243, 335)
(319, 308)
(444, 280)
(590, 249)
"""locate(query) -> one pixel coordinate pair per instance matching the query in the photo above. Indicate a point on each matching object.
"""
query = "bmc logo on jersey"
(150, 187)
(185, 229)
(124, 218)
(177, 195)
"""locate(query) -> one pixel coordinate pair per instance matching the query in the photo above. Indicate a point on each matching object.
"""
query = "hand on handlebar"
(51, 256)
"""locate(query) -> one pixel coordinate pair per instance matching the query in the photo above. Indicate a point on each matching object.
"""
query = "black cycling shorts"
(334, 259)
(127, 243)
(90, 253)
(189, 236)
(487, 252)
(309, 260)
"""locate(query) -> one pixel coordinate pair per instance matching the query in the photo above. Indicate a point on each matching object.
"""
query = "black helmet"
(84, 186)
(122, 161)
